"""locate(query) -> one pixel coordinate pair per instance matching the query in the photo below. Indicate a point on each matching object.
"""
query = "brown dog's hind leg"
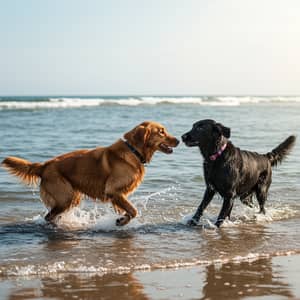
(53, 213)
(59, 196)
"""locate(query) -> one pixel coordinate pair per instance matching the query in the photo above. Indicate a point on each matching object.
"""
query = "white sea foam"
(103, 219)
(245, 215)
(172, 100)
(68, 102)
(61, 267)
(204, 221)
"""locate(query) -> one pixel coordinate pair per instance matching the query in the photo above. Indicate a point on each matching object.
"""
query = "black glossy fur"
(235, 173)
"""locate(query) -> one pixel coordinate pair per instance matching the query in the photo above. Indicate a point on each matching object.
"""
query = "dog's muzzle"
(186, 138)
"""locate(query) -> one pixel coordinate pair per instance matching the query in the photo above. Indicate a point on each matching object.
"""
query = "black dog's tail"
(281, 151)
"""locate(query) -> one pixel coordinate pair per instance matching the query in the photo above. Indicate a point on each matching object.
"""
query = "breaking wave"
(62, 267)
(10, 103)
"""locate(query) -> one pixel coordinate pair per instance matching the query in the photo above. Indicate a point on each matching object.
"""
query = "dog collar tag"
(219, 153)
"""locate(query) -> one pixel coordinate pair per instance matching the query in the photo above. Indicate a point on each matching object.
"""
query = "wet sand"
(267, 278)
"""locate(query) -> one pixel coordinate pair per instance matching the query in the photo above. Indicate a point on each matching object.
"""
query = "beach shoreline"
(273, 277)
(160, 257)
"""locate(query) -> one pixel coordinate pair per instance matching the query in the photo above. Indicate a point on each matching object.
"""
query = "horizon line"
(151, 95)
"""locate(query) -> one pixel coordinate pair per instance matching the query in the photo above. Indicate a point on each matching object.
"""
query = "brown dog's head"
(149, 137)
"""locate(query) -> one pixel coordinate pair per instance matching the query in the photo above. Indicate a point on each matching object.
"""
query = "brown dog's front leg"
(123, 220)
(118, 209)
(130, 211)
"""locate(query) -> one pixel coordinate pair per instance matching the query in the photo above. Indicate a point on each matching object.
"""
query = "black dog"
(232, 172)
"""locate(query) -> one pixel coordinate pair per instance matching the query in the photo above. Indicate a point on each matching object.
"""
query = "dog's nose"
(184, 137)
(177, 142)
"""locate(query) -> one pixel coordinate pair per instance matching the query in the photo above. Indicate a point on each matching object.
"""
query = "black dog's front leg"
(208, 195)
(225, 211)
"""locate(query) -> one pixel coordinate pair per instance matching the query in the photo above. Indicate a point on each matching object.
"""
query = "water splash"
(246, 215)
(101, 217)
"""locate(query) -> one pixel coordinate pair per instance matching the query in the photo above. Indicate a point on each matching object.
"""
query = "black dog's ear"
(225, 130)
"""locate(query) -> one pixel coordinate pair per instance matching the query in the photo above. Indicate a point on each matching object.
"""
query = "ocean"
(86, 240)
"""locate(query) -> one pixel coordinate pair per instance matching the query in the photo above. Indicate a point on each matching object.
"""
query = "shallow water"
(86, 239)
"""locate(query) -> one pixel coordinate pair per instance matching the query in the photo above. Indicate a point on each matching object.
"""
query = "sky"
(150, 47)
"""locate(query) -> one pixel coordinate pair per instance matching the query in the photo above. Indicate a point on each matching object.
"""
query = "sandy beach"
(268, 278)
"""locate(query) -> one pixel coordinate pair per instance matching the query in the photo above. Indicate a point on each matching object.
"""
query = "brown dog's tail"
(27, 171)
(281, 151)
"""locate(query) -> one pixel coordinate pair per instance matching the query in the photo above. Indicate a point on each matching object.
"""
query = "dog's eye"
(161, 132)
(199, 128)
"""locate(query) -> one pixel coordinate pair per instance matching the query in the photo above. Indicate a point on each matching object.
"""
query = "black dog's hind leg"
(208, 195)
(229, 212)
(262, 189)
(225, 211)
(247, 199)
(261, 195)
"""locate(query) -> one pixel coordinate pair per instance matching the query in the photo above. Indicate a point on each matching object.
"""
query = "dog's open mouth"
(165, 148)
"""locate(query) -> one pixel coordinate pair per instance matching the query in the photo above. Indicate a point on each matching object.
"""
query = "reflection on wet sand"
(80, 285)
(85, 253)
(228, 281)
(87, 287)
(236, 281)
(240, 279)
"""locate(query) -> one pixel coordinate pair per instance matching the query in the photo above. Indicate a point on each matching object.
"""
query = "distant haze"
(156, 47)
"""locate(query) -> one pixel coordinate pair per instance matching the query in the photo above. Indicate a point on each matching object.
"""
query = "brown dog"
(104, 173)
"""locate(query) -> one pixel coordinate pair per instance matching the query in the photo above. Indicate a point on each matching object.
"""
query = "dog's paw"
(262, 211)
(219, 223)
(192, 222)
(123, 220)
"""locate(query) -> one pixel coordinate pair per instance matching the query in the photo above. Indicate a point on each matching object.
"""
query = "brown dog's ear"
(138, 136)
(128, 136)
(225, 130)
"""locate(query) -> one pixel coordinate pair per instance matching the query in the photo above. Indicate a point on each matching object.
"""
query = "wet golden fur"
(104, 173)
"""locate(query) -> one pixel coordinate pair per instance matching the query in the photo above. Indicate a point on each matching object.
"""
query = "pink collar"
(216, 155)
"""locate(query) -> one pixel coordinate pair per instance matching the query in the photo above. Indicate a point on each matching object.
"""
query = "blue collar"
(136, 153)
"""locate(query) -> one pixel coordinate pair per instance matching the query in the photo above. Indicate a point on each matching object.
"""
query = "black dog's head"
(207, 134)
